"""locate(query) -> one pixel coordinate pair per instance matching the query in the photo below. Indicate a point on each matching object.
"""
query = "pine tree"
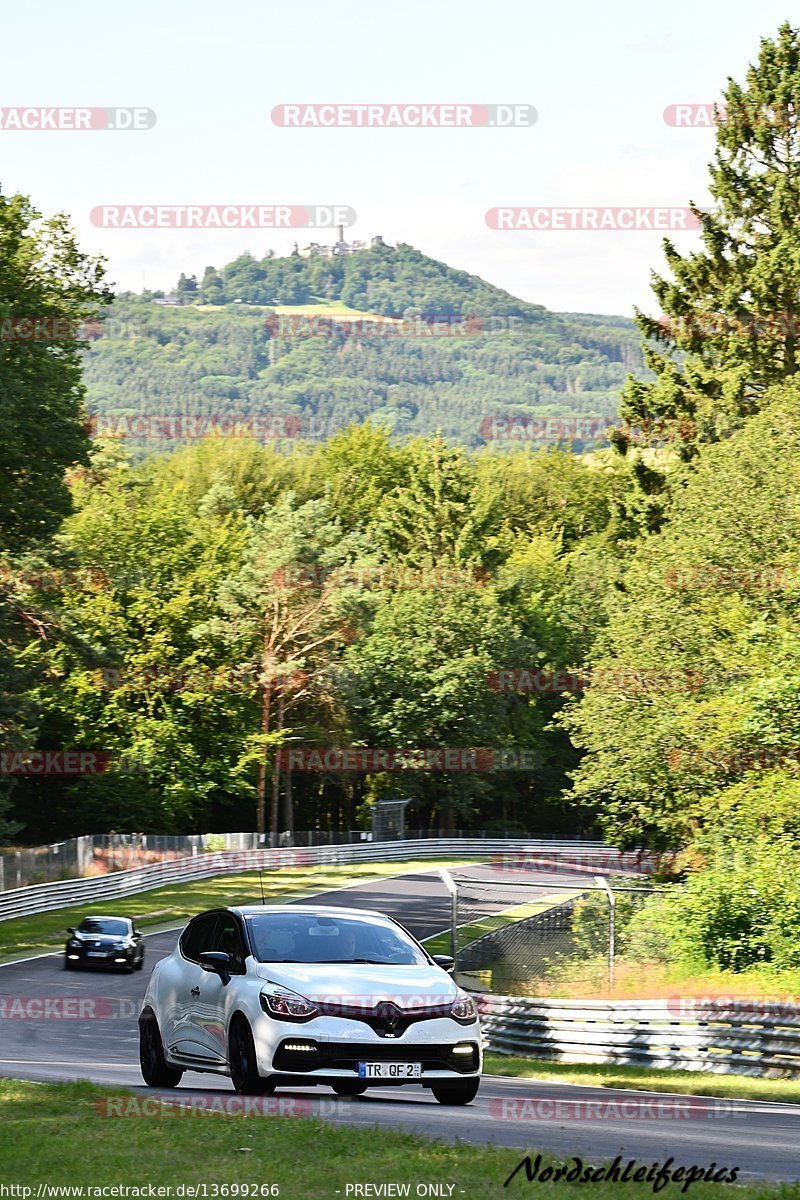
(731, 323)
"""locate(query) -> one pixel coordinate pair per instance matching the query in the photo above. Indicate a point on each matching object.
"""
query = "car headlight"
(287, 1006)
(463, 1010)
(123, 945)
(74, 944)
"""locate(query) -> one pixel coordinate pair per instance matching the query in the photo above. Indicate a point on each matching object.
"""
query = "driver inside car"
(276, 945)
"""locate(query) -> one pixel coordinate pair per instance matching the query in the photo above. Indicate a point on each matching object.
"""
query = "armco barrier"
(46, 897)
(748, 1038)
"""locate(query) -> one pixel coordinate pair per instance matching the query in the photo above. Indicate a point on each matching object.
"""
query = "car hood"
(366, 984)
(105, 939)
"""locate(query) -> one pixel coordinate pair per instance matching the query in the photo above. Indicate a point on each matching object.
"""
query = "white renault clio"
(298, 996)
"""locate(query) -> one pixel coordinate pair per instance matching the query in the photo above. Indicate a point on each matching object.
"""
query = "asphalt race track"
(761, 1139)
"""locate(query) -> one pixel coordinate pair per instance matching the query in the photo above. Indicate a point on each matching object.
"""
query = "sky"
(599, 77)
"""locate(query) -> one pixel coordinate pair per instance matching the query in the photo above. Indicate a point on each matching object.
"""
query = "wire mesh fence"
(548, 935)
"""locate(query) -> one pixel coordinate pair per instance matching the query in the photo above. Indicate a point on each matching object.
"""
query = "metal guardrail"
(701, 1035)
(101, 853)
(49, 896)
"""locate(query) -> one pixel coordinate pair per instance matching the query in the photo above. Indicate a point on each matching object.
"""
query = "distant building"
(172, 300)
(339, 247)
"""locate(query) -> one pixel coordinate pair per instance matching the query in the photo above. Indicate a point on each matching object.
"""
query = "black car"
(105, 942)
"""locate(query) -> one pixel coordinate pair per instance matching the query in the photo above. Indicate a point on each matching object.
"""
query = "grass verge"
(176, 902)
(649, 1079)
(54, 1134)
(586, 977)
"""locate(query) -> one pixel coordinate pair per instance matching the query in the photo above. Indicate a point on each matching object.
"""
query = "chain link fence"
(555, 935)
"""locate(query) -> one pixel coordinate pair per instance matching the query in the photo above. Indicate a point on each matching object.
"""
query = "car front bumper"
(99, 958)
(330, 1049)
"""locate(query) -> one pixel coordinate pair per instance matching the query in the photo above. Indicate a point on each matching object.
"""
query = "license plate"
(95, 954)
(389, 1070)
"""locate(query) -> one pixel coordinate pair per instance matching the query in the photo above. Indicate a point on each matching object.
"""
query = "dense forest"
(511, 638)
(465, 352)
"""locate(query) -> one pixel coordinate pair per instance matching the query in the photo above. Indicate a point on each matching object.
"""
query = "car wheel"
(349, 1087)
(156, 1071)
(138, 966)
(243, 1062)
(68, 964)
(456, 1093)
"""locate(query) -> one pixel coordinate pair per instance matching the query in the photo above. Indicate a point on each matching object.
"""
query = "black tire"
(242, 1060)
(456, 1093)
(68, 965)
(349, 1087)
(156, 1071)
(138, 966)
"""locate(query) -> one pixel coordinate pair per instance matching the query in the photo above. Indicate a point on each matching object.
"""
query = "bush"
(740, 911)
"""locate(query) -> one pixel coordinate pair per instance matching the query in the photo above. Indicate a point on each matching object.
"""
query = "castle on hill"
(339, 247)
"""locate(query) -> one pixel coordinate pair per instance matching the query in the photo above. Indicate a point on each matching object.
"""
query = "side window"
(199, 935)
(228, 937)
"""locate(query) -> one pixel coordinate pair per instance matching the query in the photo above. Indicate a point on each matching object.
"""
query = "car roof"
(103, 917)
(250, 910)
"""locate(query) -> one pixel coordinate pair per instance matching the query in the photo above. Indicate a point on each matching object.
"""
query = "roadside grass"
(648, 1079)
(54, 1134)
(440, 942)
(582, 977)
(176, 902)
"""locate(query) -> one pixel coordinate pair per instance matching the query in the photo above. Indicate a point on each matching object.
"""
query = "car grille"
(344, 1056)
(386, 1019)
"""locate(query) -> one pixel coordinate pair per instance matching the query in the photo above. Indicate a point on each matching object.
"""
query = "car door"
(179, 1031)
(210, 1007)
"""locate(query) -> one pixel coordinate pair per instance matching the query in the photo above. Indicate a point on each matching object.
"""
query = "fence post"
(612, 905)
(447, 880)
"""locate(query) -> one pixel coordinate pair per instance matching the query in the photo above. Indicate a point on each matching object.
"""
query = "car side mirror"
(71, 930)
(217, 963)
(446, 962)
(136, 933)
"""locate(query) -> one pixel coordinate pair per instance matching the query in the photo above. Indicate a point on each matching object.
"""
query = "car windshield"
(319, 938)
(104, 925)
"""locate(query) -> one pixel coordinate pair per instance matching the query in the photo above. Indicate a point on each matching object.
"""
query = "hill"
(383, 333)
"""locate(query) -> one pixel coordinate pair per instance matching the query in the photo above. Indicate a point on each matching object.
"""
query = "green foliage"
(224, 362)
(369, 587)
(47, 283)
(742, 910)
(731, 308)
(708, 607)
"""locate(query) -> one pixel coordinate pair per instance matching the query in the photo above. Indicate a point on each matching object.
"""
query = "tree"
(212, 289)
(47, 289)
(731, 323)
(701, 655)
(187, 288)
(420, 679)
(281, 616)
(440, 515)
